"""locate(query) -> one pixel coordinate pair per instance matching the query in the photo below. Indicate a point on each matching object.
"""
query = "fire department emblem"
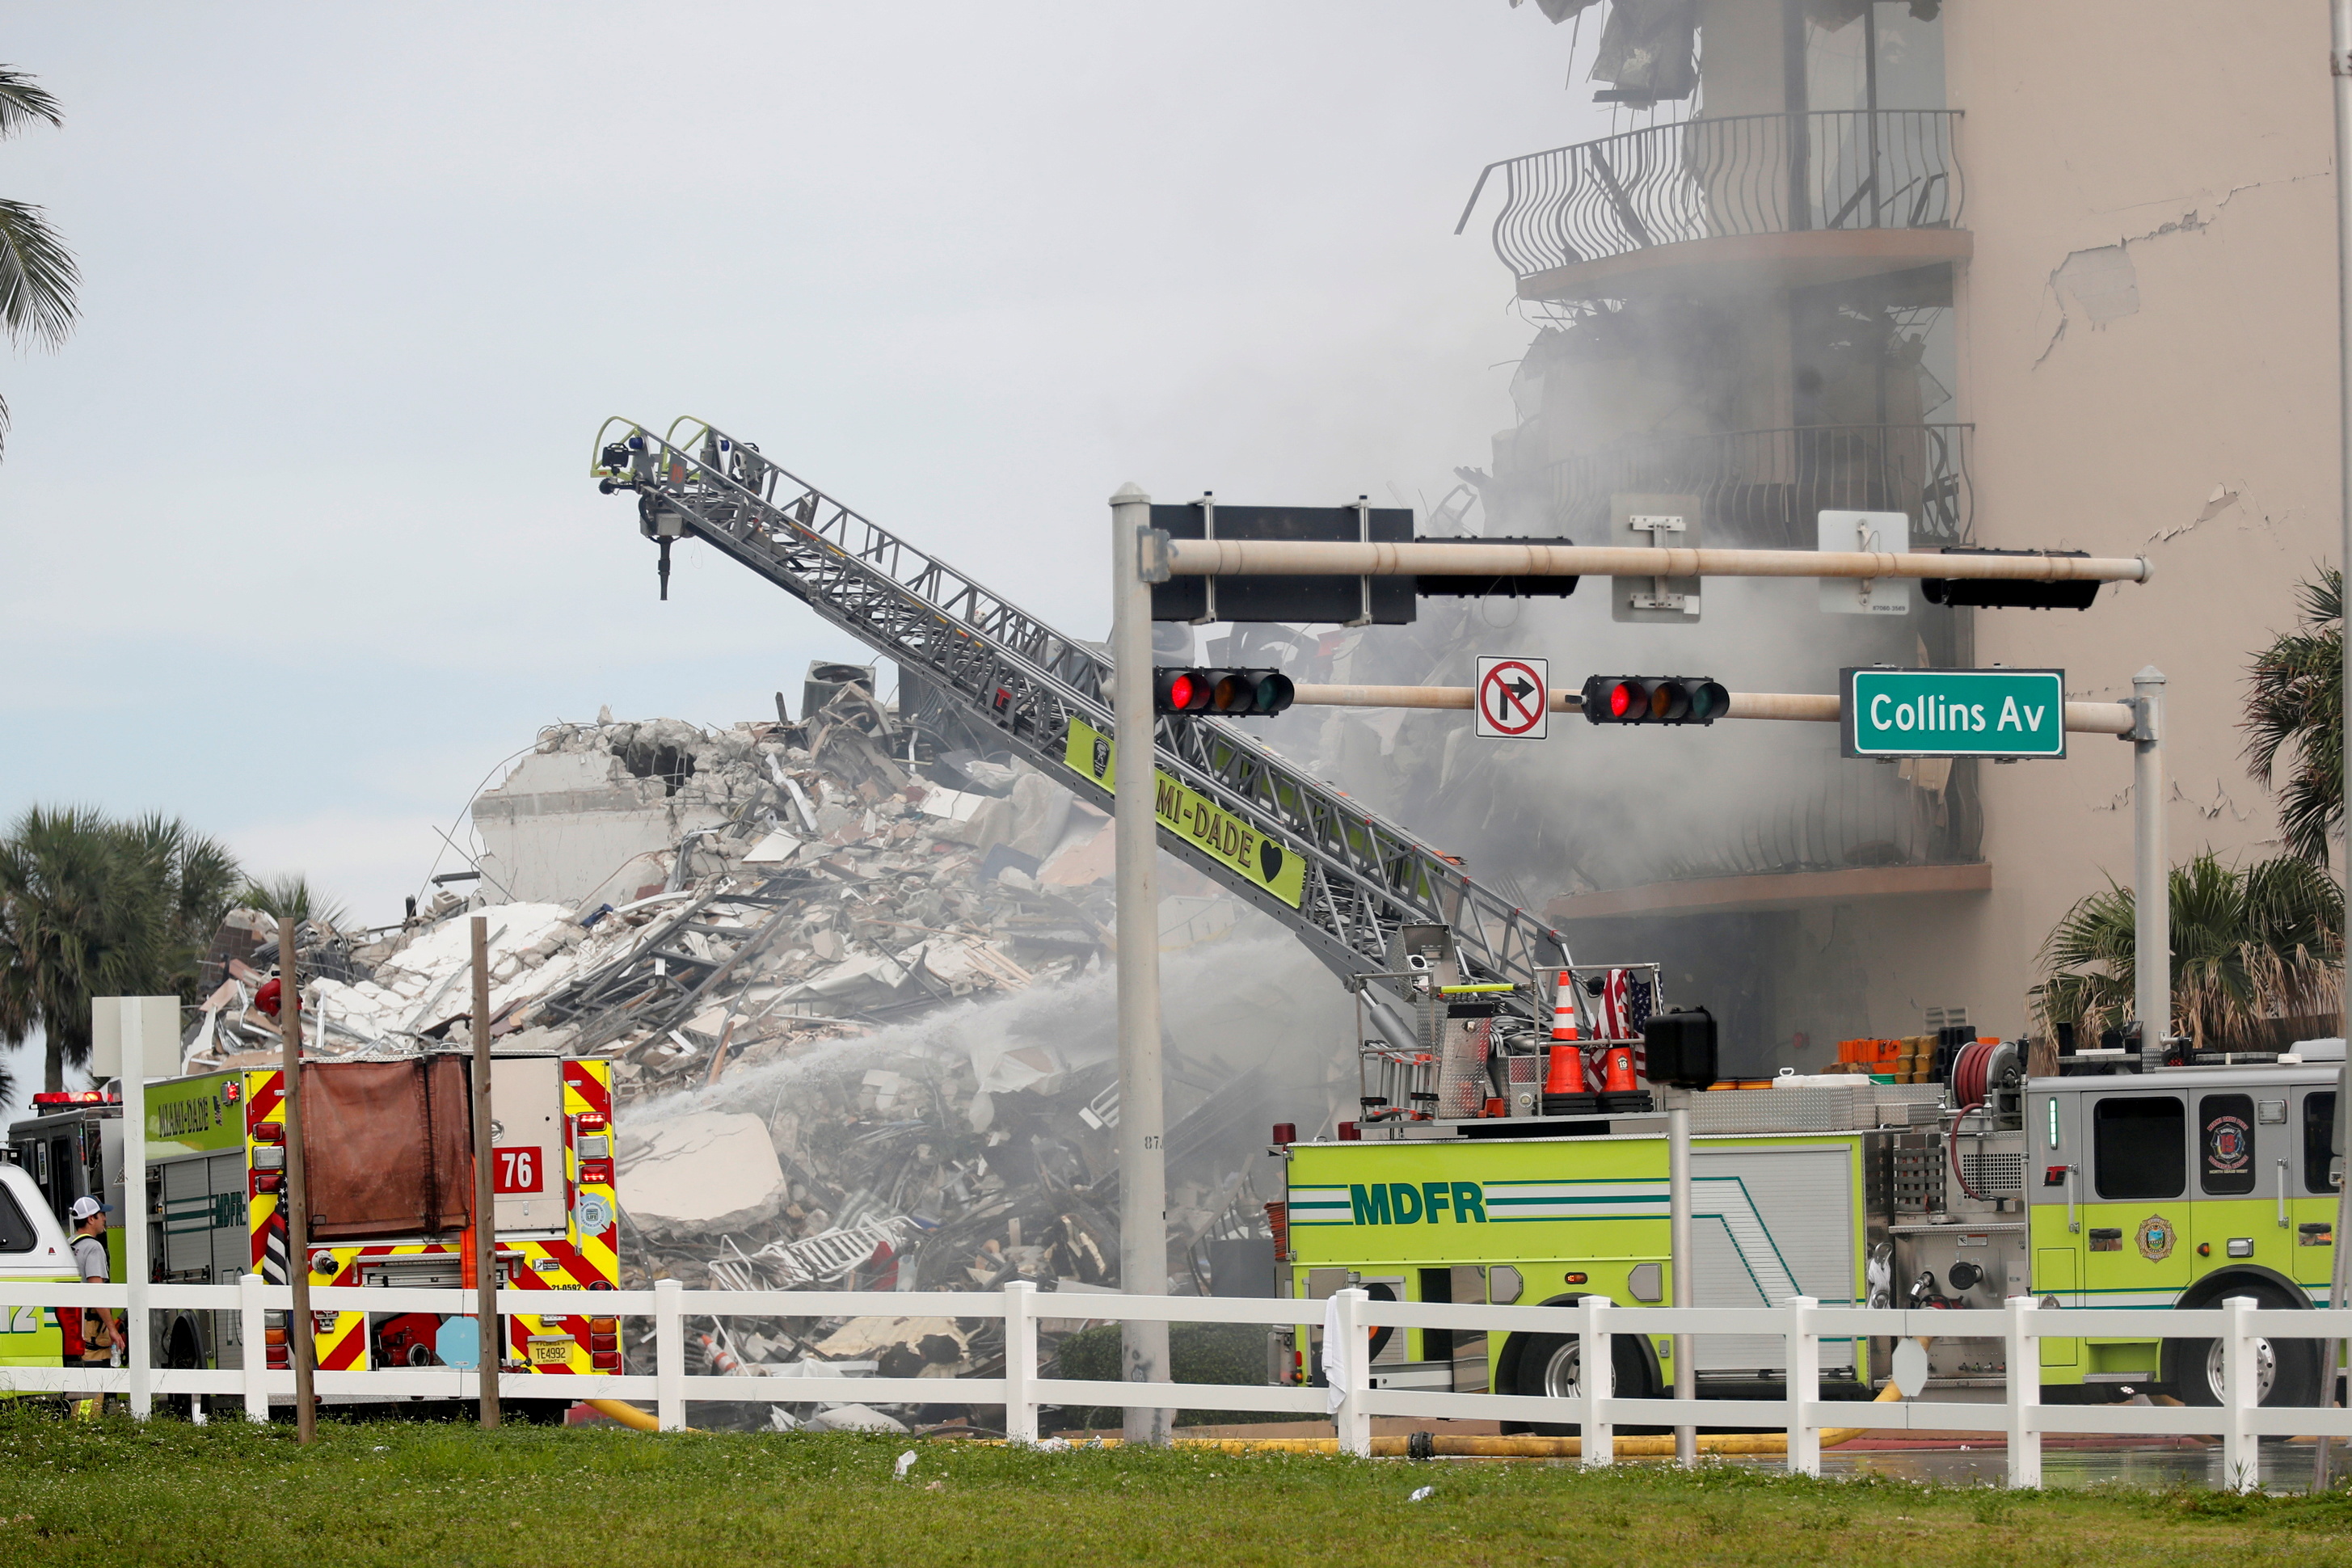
(2156, 1238)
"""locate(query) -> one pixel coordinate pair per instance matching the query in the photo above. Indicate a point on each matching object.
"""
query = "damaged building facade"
(2032, 277)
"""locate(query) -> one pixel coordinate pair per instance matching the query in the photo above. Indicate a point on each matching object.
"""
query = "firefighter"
(100, 1332)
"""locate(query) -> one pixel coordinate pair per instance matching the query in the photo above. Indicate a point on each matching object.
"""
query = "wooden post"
(301, 1351)
(486, 1225)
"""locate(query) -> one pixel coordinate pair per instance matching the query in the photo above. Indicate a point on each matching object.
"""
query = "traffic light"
(1654, 699)
(1229, 693)
(1995, 593)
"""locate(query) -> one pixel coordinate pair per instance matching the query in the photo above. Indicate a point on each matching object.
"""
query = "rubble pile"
(861, 1020)
(832, 891)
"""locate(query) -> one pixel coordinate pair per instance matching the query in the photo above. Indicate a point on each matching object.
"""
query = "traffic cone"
(1617, 1076)
(1566, 1075)
(1563, 1011)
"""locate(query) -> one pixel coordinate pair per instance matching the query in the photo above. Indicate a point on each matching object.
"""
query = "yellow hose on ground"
(626, 1415)
(1532, 1447)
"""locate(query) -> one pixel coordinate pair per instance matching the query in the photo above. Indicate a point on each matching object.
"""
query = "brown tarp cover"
(387, 1148)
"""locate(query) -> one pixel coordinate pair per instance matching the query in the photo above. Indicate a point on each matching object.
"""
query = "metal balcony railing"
(1741, 174)
(1762, 489)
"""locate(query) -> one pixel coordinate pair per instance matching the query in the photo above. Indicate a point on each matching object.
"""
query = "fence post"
(2240, 1394)
(253, 1332)
(1355, 1423)
(1597, 1381)
(670, 1355)
(1804, 1388)
(2023, 1365)
(1020, 1360)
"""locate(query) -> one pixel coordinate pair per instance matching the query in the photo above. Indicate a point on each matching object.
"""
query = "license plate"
(551, 1353)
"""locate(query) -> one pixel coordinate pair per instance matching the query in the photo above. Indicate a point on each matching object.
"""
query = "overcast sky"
(296, 539)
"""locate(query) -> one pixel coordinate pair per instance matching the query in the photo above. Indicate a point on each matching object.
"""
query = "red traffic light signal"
(1234, 693)
(1654, 699)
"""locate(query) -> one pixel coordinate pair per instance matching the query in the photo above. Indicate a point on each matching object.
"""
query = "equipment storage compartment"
(387, 1148)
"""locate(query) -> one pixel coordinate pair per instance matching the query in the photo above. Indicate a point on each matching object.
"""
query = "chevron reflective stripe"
(1724, 1199)
(1321, 1205)
(270, 1241)
(1507, 1201)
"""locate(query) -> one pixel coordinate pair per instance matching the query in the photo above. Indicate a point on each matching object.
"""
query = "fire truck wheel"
(2286, 1372)
(183, 1355)
(1550, 1366)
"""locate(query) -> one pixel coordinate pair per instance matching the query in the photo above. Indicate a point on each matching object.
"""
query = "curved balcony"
(1782, 198)
(1762, 489)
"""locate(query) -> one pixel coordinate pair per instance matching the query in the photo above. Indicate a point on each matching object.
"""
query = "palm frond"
(22, 101)
(2249, 947)
(2294, 710)
(38, 279)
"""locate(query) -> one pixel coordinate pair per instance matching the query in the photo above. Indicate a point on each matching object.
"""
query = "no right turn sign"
(1514, 698)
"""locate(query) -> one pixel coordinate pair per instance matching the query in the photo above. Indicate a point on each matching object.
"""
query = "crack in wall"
(2101, 283)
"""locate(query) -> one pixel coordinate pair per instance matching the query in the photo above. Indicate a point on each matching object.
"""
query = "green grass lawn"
(419, 1495)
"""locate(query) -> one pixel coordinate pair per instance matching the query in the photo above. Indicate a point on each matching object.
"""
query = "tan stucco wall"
(2198, 140)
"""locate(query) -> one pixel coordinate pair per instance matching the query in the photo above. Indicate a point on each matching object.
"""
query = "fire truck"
(2105, 1184)
(388, 1156)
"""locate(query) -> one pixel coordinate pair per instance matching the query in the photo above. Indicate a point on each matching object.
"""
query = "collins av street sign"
(1953, 712)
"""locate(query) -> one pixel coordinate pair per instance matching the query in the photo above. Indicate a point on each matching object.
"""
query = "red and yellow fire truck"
(388, 1160)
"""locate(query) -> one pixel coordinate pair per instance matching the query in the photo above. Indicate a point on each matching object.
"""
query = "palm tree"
(38, 274)
(291, 897)
(77, 919)
(197, 882)
(91, 907)
(2248, 947)
(2297, 703)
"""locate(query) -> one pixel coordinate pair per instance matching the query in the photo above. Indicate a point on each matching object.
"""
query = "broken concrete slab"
(699, 1174)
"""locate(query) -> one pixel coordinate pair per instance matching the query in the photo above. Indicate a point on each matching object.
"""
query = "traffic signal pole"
(1164, 558)
(2080, 717)
(2151, 872)
(2339, 68)
(1142, 1152)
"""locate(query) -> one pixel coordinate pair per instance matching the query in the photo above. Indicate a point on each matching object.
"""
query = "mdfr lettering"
(1403, 1202)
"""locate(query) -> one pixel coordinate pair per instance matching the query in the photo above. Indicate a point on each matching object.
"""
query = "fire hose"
(1431, 1444)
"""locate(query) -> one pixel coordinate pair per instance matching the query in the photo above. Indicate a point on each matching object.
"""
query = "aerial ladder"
(1373, 895)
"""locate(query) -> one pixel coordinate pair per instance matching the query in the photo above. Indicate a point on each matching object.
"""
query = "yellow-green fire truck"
(2104, 1186)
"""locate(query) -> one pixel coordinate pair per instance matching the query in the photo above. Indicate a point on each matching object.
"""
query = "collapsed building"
(861, 1020)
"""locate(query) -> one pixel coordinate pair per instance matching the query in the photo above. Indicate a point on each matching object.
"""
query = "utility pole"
(2339, 68)
(485, 1226)
(1678, 1245)
(1142, 1152)
(2152, 873)
(138, 1268)
(301, 1352)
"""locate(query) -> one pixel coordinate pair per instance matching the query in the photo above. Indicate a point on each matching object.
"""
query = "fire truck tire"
(182, 1353)
(2285, 1371)
(1549, 1366)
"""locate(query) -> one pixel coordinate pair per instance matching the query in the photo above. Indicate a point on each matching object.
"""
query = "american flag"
(1626, 1004)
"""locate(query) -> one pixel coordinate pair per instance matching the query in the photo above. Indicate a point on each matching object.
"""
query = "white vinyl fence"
(1801, 1324)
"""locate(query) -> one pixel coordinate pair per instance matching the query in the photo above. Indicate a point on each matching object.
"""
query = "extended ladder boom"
(1008, 673)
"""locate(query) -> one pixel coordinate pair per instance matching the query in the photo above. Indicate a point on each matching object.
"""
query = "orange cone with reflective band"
(1563, 1014)
(1567, 1076)
(1617, 1076)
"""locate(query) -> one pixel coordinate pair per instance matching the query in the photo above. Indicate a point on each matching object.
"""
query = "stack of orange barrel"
(1879, 1058)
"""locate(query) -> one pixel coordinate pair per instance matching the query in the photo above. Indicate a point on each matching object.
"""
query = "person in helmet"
(100, 1338)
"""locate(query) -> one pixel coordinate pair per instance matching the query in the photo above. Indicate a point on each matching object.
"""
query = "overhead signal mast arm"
(1036, 689)
(1165, 557)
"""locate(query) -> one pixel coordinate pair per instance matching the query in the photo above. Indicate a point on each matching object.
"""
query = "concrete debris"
(858, 1005)
(699, 1173)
